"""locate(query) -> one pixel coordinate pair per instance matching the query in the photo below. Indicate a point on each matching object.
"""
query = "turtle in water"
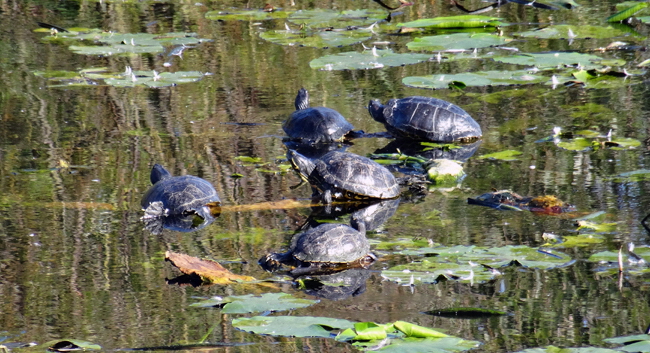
(343, 175)
(318, 124)
(328, 248)
(508, 200)
(425, 119)
(181, 195)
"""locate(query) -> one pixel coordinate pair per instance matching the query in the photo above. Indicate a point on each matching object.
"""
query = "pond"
(203, 89)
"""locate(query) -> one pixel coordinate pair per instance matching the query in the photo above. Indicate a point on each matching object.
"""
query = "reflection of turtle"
(508, 200)
(336, 286)
(315, 125)
(176, 222)
(376, 214)
(180, 195)
(327, 248)
(425, 118)
(458, 152)
(342, 175)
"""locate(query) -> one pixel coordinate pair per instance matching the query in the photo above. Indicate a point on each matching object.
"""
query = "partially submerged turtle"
(330, 247)
(343, 175)
(316, 125)
(425, 119)
(181, 195)
(508, 200)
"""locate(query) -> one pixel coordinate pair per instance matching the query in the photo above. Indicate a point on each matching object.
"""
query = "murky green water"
(76, 261)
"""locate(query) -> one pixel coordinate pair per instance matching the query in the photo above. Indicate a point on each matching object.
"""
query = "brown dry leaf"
(210, 271)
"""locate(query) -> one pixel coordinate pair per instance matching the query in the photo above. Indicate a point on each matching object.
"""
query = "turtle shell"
(426, 118)
(350, 176)
(315, 125)
(331, 243)
(181, 194)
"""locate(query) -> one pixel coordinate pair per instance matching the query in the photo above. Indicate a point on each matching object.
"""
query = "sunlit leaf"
(572, 32)
(324, 18)
(291, 326)
(597, 227)
(553, 349)
(508, 155)
(457, 41)
(151, 79)
(433, 345)
(541, 60)
(366, 331)
(412, 330)
(246, 15)
(249, 160)
(242, 304)
(627, 13)
(475, 79)
(635, 343)
(576, 144)
(368, 59)
(316, 39)
(462, 21)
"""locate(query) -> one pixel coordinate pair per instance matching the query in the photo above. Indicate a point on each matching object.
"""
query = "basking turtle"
(343, 175)
(425, 118)
(181, 195)
(330, 247)
(316, 125)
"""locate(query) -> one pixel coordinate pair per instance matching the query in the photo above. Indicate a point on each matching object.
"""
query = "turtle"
(181, 195)
(425, 119)
(318, 124)
(330, 247)
(344, 175)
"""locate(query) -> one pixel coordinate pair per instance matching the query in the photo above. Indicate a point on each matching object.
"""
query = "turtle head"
(376, 110)
(303, 165)
(159, 173)
(302, 99)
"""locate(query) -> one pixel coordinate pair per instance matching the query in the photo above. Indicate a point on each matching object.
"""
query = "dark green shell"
(425, 118)
(332, 243)
(181, 194)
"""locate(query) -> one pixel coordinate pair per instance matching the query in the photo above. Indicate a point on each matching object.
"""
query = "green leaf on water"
(434, 345)
(635, 175)
(152, 79)
(462, 21)
(553, 349)
(576, 144)
(366, 331)
(597, 227)
(457, 41)
(291, 326)
(635, 343)
(368, 59)
(243, 304)
(627, 12)
(248, 160)
(316, 39)
(246, 15)
(548, 60)
(580, 240)
(572, 32)
(507, 155)
(325, 18)
(475, 79)
(412, 330)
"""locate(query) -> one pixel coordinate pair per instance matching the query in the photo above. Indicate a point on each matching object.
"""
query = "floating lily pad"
(542, 60)
(635, 175)
(507, 155)
(323, 18)
(576, 144)
(246, 15)
(627, 12)
(434, 345)
(457, 41)
(475, 79)
(152, 79)
(291, 326)
(462, 21)
(572, 32)
(369, 59)
(636, 343)
(553, 349)
(316, 39)
(242, 304)
(117, 49)
(581, 240)
(470, 263)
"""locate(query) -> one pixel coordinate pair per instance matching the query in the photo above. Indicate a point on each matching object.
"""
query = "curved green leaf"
(369, 59)
(457, 41)
(627, 13)
(475, 79)
(507, 155)
(412, 330)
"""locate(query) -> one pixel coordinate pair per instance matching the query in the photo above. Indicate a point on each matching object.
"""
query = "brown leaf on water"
(210, 271)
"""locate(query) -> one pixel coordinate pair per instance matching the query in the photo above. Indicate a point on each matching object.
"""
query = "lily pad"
(462, 21)
(553, 349)
(635, 175)
(542, 60)
(323, 18)
(316, 39)
(153, 79)
(246, 15)
(369, 59)
(242, 304)
(433, 345)
(636, 343)
(457, 41)
(291, 326)
(627, 12)
(635, 264)
(572, 32)
(576, 144)
(507, 155)
(580, 240)
(474, 79)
